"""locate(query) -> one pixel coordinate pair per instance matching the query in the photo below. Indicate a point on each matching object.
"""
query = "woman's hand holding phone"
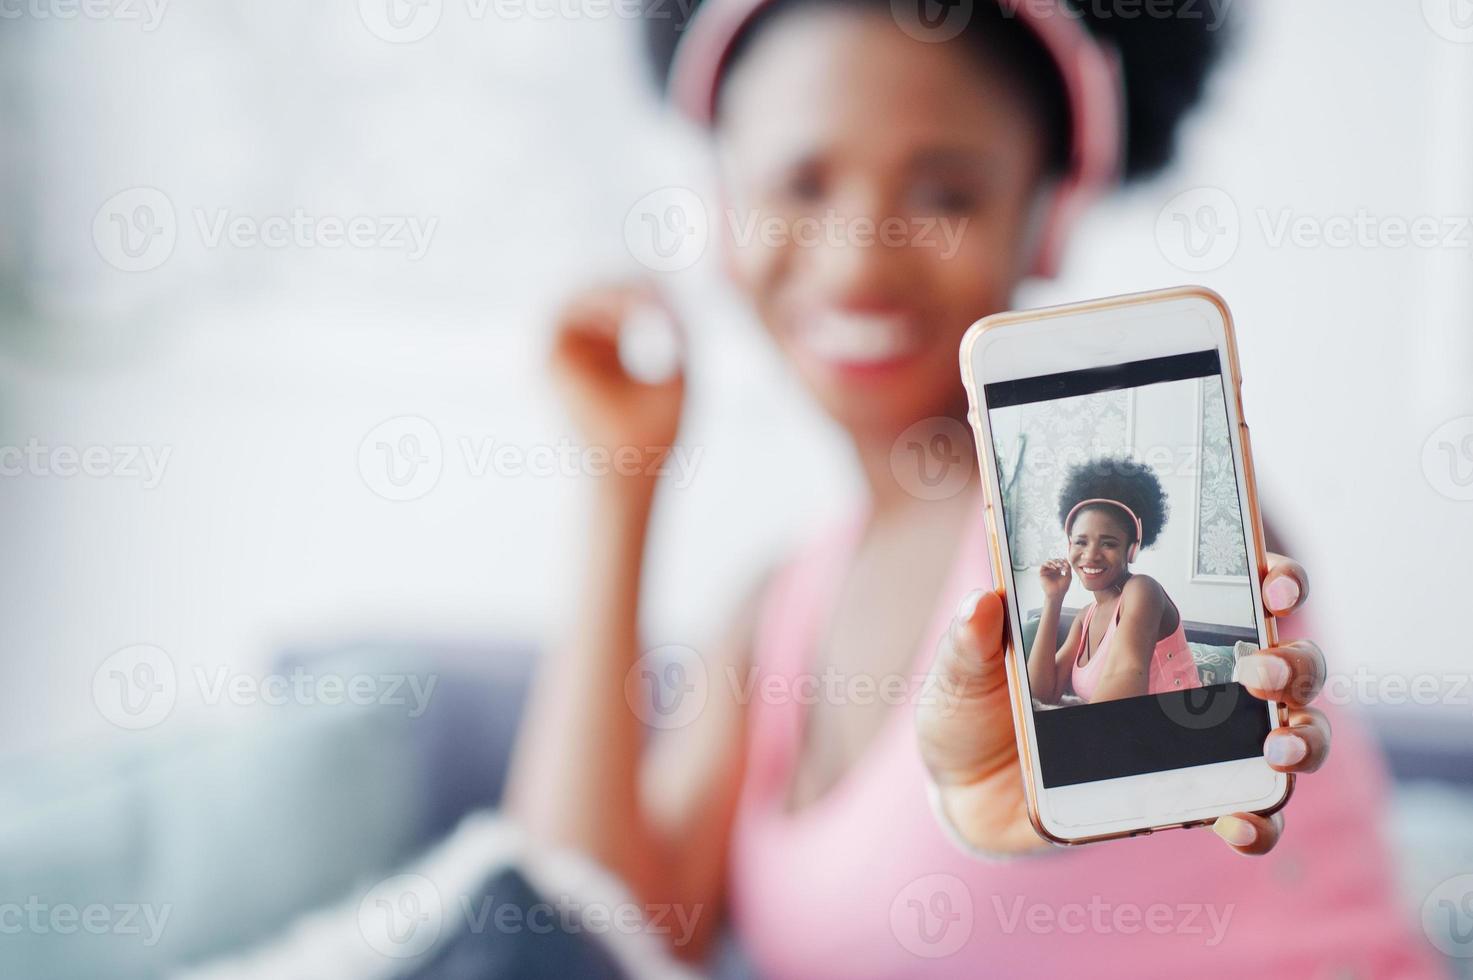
(966, 735)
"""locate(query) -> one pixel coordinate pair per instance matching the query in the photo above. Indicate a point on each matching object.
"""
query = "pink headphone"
(1090, 72)
(1135, 546)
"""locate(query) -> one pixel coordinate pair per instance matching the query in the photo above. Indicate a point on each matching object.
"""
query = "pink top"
(863, 882)
(1172, 666)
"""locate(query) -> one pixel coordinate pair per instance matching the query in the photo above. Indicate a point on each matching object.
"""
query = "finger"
(602, 310)
(1249, 833)
(970, 652)
(1300, 746)
(590, 341)
(1293, 673)
(963, 719)
(1285, 587)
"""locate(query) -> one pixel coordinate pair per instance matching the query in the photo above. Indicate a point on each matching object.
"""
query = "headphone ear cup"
(1054, 227)
(1135, 549)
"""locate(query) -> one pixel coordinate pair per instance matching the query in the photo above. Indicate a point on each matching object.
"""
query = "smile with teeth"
(857, 339)
(1091, 569)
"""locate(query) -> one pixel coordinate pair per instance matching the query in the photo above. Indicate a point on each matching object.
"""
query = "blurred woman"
(809, 828)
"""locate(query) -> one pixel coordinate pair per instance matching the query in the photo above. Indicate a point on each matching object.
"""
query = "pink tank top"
(1172, 667)
(863, 883)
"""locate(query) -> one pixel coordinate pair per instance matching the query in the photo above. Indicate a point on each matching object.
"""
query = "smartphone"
(1126, 534)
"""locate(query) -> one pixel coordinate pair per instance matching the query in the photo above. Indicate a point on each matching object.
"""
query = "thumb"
(965, 722)
(970, 655)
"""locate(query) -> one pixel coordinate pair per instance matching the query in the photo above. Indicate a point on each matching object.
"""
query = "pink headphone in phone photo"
(1135, 545)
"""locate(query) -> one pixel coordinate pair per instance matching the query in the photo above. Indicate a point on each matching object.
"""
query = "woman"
(1131, 640)
(809, 828)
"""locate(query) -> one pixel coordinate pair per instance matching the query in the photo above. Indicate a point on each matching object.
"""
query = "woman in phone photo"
(807, 826)
(1131, 640)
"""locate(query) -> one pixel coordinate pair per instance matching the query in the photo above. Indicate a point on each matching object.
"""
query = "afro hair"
(1120, 478)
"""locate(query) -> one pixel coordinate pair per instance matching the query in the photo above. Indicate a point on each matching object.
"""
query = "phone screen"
(1130, 565)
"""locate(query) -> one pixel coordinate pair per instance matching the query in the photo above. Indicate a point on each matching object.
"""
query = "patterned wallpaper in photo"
(1056, 435)
(1220, 547)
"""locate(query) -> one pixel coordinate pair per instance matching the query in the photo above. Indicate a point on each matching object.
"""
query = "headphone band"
(1089, 70)
(1069, 518)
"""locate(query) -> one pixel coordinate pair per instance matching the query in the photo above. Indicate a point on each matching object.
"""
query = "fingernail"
(968, 605)
(1285, 750)
(1239, 833)
(1263, 671)
(1281, 594)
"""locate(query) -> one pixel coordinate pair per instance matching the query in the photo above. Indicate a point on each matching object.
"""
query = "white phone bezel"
(1108, 332)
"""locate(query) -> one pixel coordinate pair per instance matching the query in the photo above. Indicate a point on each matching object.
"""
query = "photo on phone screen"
(1130, 566)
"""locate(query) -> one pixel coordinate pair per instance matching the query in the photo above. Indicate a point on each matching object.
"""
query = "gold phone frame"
(975, 416)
